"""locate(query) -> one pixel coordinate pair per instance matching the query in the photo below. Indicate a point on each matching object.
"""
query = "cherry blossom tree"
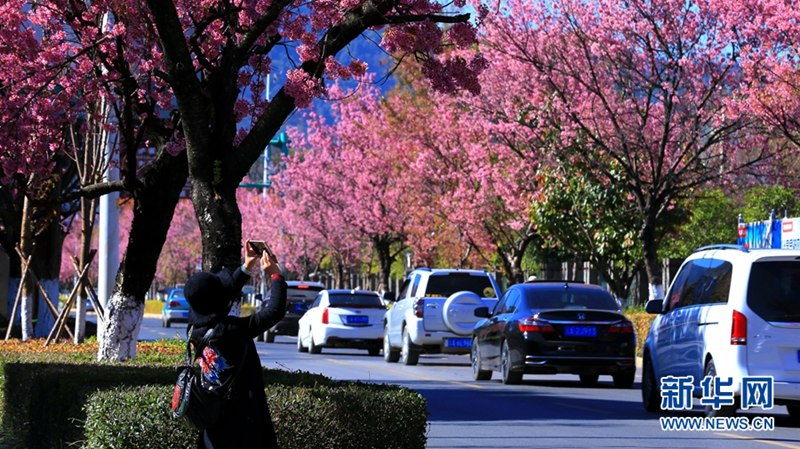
(180, 78)
(364, 167)
(641, 87)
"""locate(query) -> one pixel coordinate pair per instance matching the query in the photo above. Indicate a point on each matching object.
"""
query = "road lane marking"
(758, 440)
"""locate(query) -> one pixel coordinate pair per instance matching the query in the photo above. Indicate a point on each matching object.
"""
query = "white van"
(730, 312)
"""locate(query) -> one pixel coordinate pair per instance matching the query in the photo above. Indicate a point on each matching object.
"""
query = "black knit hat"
(206, 293)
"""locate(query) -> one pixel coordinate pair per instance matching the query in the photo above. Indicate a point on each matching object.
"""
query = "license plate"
(458, 343)
(580, 331)
(357, 319)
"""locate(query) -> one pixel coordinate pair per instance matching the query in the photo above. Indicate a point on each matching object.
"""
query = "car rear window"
(307, 293)
(774, 290)
(561, 298)
(355, 300)
(444, 285)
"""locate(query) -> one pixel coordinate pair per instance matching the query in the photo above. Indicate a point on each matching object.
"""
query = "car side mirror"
(389, 296)
(482, 312)
(654, 306)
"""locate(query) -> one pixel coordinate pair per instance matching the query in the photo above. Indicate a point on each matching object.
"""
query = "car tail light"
(325, 316)
(623, 327)
(174, 304)
(534, 324)
(739, 329)
(419, 307)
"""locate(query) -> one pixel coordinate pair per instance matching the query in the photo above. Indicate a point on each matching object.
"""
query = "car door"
(665, 328)
(496, 327)
(305, 323)
(399, 309)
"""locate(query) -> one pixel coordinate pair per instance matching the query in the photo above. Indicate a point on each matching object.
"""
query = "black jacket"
(246, 422)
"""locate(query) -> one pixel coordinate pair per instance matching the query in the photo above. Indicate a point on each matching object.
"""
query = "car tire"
(165, 322)
(374, 351)
(650, 394)
(313, 348)
(300, 347)
(725, 410)
(269, 337)
(510, 377)
(390, 355)
(478, 373)
(408, 355)
(624, 379)
(589, 380)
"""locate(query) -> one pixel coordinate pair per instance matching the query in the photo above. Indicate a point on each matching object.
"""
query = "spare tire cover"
(459, 312)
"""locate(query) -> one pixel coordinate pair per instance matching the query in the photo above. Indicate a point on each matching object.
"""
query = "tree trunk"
(220, 225)
(651, 263)
(87, 221)
(385, 258)
(154, 207)
(26, 245)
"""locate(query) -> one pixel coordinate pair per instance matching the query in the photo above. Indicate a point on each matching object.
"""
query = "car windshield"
(444, 285)
(564, 298)
(774, 291)
(306, 293)
(177, 294)
(355, 300)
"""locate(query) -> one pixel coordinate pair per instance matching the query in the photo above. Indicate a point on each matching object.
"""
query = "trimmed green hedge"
(45, 405)
(330, 416)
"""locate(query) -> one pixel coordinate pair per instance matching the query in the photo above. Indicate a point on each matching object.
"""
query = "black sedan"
(554, 327)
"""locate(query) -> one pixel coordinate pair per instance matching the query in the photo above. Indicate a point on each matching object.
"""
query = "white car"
(731, 312)
(435, 313)
(342, 319)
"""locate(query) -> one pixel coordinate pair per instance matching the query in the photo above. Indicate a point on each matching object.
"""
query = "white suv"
(435, 312)
(731, 312)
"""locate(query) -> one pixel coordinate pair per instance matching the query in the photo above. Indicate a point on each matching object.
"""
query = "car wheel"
(390, 355)
(725, 410)
(269, 337)
(589, 380)
(650, 395)
(300, 347)
(624, 380)
(510, 377)
(478, 373)
(374, 351)
(408, 356)
(165, 322)
(313, 348)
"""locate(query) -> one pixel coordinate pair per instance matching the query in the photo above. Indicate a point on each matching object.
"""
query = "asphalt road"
(542, 412)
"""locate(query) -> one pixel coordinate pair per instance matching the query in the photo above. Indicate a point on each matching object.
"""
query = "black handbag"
(201, 407)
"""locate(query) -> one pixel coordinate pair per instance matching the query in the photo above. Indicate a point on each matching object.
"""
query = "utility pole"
(109, 213)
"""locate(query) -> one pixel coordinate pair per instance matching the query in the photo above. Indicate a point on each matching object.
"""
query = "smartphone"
(260, 246)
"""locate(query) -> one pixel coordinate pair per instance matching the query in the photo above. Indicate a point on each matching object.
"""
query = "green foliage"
(47, 398)
(329, 416)
(711, 220)
(43, 401)
(761, 200)
(124, 418)
(586, 219)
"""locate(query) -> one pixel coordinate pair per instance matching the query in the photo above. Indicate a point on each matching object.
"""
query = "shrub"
(330, 416)
(134, 417)
(641, 323)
